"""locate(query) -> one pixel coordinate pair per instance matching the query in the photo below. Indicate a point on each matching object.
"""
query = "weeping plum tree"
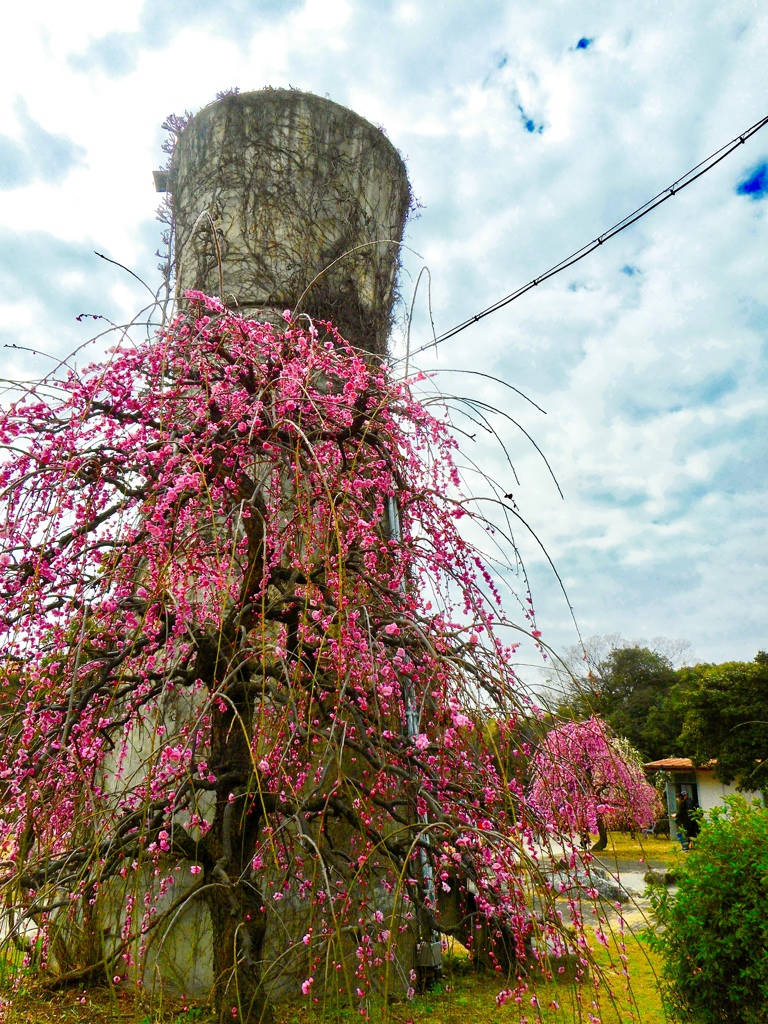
(586, 780)
(250, 663)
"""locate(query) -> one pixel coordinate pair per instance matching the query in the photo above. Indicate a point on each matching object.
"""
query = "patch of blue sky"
(584, 43)
(37, 155)
(630, 270)
(754, 314)
(713, 387)
(116, 54)
(707, 391)
(748, 437)
(14, 164)
(641, 412)
(748, 433)
(63, 278)
(678, 503)
(743, 475)
(664, 572)
(615, 499)
(622, 581)
(755, 184)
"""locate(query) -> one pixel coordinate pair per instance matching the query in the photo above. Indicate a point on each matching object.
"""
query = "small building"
(704, 789)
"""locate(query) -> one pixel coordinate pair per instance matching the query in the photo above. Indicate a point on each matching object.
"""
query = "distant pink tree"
(586, 780)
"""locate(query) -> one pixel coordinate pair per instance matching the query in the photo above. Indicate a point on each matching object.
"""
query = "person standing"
(687, 826)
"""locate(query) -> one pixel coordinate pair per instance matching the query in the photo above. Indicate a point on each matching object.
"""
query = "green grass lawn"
(625, 847)
(462, 997)
(468, 997)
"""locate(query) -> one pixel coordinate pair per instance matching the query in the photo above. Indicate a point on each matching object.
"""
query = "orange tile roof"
(677, 764)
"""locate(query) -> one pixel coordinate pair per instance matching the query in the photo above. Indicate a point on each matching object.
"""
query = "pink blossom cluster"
(581, 775)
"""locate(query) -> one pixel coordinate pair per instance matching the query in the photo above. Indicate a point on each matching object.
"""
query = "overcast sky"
(528, 129)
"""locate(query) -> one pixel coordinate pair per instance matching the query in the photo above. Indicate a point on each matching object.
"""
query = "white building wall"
(712, 792)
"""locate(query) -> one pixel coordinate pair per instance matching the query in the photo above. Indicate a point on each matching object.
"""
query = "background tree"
(585, 780)
(725, 709)
(255, 656)
(626, 684)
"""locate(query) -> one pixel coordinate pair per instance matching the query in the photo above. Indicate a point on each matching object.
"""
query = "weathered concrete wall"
(284, 200)
(280, 200)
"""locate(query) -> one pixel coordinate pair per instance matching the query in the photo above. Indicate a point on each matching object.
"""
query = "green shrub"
(714, 943)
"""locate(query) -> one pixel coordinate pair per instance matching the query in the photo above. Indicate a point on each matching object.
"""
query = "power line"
(687, 179)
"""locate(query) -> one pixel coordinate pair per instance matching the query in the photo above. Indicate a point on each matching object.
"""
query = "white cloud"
(650, 355)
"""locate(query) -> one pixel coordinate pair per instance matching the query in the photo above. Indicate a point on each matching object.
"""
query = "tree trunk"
(602, 832)
(238, 935)
(236, 905)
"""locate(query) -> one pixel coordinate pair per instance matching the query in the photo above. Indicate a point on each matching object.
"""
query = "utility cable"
(687, 179)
